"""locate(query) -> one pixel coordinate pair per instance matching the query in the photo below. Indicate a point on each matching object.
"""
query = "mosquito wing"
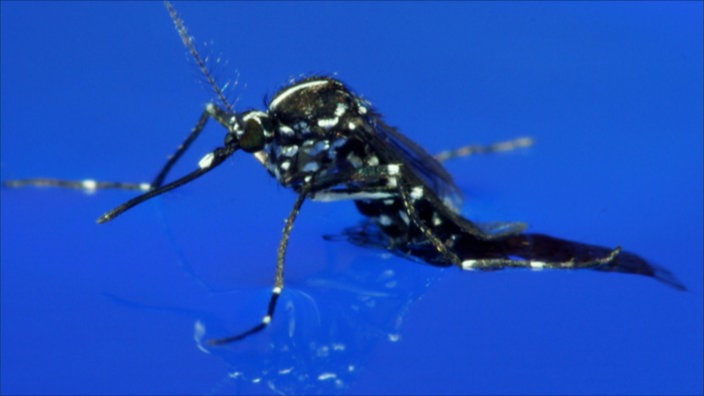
(398, 148)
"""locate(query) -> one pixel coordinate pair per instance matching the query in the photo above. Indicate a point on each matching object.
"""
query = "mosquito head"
(251, 129)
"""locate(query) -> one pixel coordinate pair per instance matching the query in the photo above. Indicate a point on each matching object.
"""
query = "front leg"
(90, 185)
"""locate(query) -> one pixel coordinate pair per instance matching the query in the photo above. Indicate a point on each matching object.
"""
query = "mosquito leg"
(394, 187)
(173, 158)
(489, 264)
(211, 111)
(87, 185)
(279, 277)
(466, 151)
(206, 164)
(593, 260)
(578, 261)
(407, 197)
(90, 185)
(374, 179)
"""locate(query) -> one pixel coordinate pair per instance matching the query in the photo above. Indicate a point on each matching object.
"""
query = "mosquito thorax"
(313, 124)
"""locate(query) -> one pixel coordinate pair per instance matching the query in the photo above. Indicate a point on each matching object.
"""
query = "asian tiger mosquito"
(326, 143)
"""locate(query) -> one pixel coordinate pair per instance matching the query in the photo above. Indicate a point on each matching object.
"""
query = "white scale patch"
(385, 220)
(206, 161)
(285, 165)
(328, 123)
(283, 95)
(310, 167)
(340, 109)
(373, 160)
(262, 157)
(537, 265)
(469, 264)
(417, 192)
(392, 182)
(286, 130)
(351, 126)
(336, 196)
(255, 115)
(89, 184)
(436, 219)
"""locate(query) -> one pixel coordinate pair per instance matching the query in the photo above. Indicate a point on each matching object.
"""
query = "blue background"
(612, 93)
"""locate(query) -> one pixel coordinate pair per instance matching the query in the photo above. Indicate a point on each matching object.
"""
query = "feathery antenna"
(188, 43)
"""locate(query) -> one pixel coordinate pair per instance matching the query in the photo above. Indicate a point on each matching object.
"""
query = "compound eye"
(252, 138)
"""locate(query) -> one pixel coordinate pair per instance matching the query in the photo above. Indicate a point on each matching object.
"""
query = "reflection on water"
(325, 329)
(328, 323)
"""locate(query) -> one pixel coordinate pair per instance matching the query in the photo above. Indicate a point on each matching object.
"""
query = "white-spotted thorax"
(308, 133)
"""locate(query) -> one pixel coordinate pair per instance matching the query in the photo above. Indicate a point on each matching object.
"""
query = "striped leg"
(278, 278)
(156, 187)
(90, 186)
(472, 149)
(455, 240)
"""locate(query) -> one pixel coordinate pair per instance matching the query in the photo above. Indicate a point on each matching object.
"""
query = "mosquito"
(326, 143)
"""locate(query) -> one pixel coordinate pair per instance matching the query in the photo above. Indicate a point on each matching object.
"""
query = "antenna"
(188, 43)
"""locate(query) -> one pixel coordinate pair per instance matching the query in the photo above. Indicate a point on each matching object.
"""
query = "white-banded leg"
(375, 183)
(87, 185)
(490, 264)
(211, 111)
(581, 261)
(278, 278)
(156, 187)
(471, 149)
(206, 164)
(395, 187)
(408, 196)
(90, 185)
(583, 258)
